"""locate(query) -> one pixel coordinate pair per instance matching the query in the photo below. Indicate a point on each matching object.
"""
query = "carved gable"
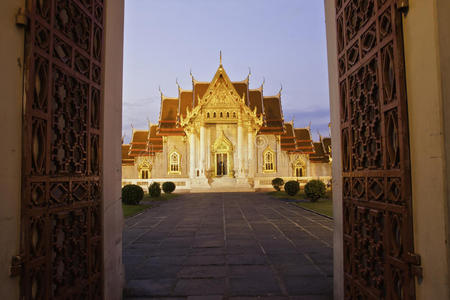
(221, 103)
(222, 95)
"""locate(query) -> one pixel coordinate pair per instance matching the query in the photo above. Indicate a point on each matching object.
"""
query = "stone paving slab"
(228, 246)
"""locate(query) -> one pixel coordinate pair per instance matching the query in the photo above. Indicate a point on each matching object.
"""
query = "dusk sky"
(282, 41)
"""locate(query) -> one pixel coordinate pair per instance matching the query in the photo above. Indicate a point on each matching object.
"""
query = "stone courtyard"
(228, 245)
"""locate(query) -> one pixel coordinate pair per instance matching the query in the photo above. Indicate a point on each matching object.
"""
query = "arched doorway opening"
(222, 151)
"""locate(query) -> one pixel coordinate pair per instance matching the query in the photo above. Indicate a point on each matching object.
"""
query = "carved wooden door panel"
(378, 235)
(61, 219)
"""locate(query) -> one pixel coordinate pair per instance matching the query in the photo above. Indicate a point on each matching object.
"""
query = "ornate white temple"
(223, 136)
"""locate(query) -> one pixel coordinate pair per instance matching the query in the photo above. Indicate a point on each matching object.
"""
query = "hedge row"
(132, 194)
(314, 189)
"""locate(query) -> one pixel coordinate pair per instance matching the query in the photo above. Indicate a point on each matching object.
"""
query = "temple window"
(214, 114)
(207, 115)
(228, 114)
(299, 168)
(144, 174)
(268, 160)
(174, 163)
(144, 170)
(234, 114)
(221, 114)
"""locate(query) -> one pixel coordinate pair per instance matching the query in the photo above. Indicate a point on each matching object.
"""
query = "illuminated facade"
(223, 135)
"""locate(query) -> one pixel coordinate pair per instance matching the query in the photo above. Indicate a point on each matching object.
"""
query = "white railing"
(180, 183)
(185, 183)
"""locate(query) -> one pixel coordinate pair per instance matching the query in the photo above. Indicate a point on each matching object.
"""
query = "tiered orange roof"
(144, 142)
(288, 141)
(256, 100)
(322, 150)
(303, 141)
(126, 158)
(138, 144)
(155, 141)
(273, 121)
(174, 108)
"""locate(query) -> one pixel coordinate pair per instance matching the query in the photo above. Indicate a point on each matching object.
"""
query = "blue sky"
(282, 41)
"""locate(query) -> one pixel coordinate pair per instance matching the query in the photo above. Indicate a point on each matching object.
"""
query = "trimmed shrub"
(168, 187)
(315, 189)
(154, 190)
(132, 194)
(292, 187)
(277, 183)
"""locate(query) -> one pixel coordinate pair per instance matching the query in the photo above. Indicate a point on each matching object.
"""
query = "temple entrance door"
(221, 164)
(61, 211)
(379, 259)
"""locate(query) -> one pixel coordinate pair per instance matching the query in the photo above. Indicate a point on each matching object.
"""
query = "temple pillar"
(240, 144)
(192, 155)
(202, 150)
(251, 152)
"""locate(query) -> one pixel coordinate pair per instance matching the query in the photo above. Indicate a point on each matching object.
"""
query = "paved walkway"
(214, 246)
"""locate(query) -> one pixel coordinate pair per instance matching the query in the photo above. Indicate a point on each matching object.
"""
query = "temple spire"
(281, 88)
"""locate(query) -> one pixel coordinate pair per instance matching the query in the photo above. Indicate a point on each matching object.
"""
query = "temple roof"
(199, 90)
(327, 145)
(288, 141)
(242, 89)
(272, 109)
(172, 109)
(186, 100)
(126, 158)
(256, 100)
(138, 144)
(303, 141)
(155, 141)
(319, 155)
(169, 112)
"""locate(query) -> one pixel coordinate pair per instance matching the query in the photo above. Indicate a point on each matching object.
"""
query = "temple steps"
(224, 185)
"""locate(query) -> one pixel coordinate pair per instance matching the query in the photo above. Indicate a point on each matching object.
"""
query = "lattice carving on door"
(61, 242)
(377, 219)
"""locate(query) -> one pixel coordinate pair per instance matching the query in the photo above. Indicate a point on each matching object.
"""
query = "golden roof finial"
(190, 74)
(178, 85)
(262, 84)
(281, 88)
(220, 54)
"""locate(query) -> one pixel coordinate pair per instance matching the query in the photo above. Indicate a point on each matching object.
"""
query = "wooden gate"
(379, 261)
(61, 218)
